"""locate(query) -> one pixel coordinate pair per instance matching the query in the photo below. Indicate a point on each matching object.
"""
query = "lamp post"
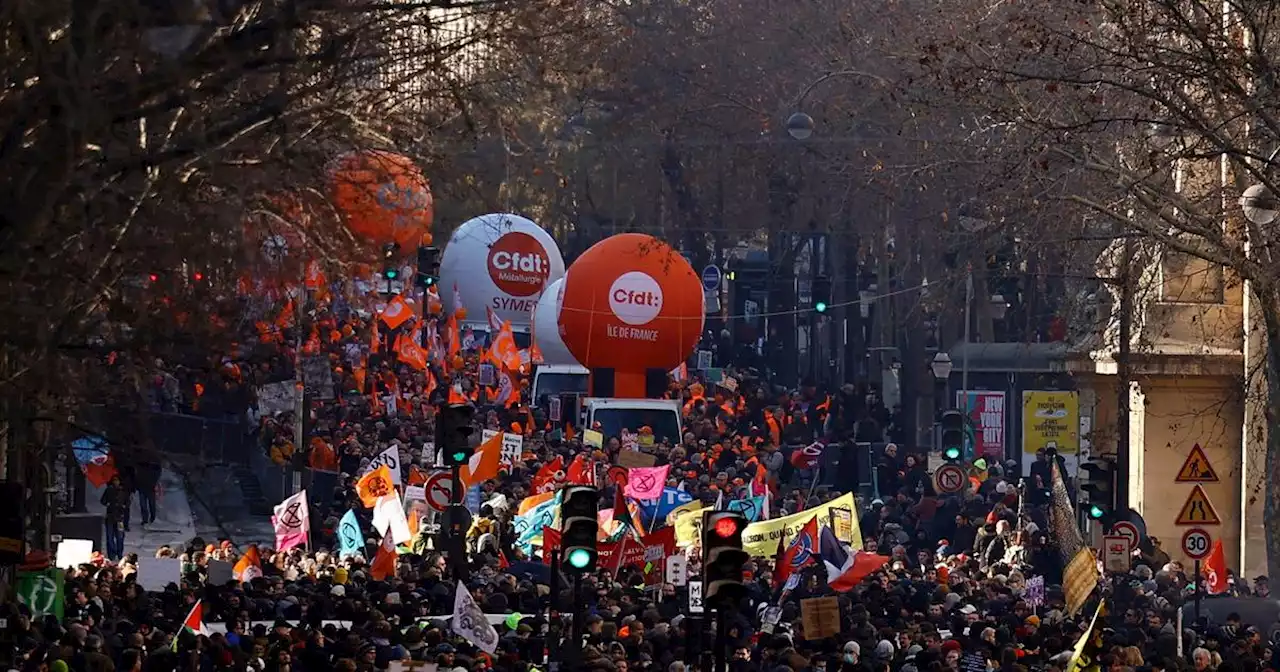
(941, 367)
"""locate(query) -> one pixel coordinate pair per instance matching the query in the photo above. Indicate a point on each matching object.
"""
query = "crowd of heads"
(973, 581)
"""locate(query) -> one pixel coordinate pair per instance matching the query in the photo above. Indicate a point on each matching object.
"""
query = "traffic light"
(428, 267)
(1098, 482)
(390, 270)
(453, 434)
(455, 522)
(579, 525)
(952, 435)
(821, 293)
(723, 558)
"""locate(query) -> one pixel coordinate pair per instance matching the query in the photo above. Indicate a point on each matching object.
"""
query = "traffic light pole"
(579, 621)
(722, 641)
(458, 542)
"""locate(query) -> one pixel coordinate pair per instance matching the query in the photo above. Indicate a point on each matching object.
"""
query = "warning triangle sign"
(1197, 468)
(1198, 510)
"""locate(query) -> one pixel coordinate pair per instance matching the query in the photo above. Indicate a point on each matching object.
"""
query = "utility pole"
(1124, 378)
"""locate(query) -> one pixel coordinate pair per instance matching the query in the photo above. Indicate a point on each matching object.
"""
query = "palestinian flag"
(194, 623)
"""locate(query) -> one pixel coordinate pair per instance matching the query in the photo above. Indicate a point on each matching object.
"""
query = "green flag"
(42, 592)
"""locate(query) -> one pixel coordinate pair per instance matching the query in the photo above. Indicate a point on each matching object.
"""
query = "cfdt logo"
(518, 264)
(635, 298)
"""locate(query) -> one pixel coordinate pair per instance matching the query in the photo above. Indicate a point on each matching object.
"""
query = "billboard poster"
(1050, 419)
(985, 410)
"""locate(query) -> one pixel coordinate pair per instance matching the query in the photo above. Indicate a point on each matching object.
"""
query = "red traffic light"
(725, 528)
(198, 277)
(153, 277)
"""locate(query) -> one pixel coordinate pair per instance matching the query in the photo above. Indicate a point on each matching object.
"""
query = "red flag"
(580, 471)
(621, 512)
(803, 551)
(384, 563)
(550, 476)
(1215, 570)
(809, 456)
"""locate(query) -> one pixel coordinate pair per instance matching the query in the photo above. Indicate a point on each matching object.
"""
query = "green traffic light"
(460, 456)
(951, 453)
(820, 306)
(579, 558)
(391, 273)
(1096, 512)
(430, 281)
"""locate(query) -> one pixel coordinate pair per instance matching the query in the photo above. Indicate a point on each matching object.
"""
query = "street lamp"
(941, 366)
(1259, 205)
(800, 126)
(999, 307)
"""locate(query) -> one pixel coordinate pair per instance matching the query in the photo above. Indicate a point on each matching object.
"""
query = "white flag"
(469, 622)
(388, 513)
(391, 458)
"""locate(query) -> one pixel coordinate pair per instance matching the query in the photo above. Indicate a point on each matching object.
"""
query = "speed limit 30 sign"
(1196, 543)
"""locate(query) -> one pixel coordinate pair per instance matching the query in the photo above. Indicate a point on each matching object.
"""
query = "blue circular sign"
(711, 277)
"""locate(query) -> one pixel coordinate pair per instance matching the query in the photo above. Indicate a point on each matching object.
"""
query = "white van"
(558, 379)
(614, 415)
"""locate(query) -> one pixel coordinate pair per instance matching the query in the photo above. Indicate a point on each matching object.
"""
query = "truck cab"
(559, 379)
(614, 415)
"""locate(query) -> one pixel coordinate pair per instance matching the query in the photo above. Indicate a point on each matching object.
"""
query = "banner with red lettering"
(627, 552)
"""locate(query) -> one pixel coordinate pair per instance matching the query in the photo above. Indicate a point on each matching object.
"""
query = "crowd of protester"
(973, 581)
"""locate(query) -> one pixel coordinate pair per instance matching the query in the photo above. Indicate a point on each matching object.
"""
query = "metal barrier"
(211, 440)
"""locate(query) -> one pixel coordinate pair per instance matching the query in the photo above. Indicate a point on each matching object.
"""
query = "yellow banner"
(1050, 419)
(687, 519)
(1084, 655)
(762, 538)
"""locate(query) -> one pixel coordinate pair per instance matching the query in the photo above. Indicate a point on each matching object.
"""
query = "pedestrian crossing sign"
(1197, 468)
(1198, 510)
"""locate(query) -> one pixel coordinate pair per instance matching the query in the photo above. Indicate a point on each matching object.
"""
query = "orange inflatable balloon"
(631, 303)
(382, 197)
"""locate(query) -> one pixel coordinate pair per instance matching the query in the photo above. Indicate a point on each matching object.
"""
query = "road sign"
(677, 570)
(695, 597)
(1115, 553)
(1197, 468)
(1198, 510)
(1196, 543)
(949, 479)
(711, 276)
(438, 490)
(1127, 530)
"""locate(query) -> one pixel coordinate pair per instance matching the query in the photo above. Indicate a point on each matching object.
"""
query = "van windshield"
(664, 422)
(559, 383)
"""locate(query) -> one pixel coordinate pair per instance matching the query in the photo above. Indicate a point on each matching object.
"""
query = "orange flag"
(484, 463)
(249, 566)
(375, 340)
(411, 353)
(455, 341)
(414, 524)
(384, 563)
(375, 484)
(456, 397)
(397, 312)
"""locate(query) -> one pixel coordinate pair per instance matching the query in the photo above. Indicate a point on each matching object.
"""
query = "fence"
(211, 440)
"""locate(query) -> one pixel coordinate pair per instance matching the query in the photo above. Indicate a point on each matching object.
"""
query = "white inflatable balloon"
(500, 261)
(546, 326)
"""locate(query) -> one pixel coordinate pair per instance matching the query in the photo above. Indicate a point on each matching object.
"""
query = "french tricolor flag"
(846, 568)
